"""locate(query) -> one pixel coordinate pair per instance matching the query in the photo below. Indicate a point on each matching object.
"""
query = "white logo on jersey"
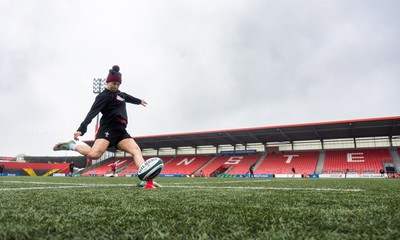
(119, 98)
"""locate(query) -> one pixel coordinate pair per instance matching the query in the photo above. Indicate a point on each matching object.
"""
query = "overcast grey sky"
(200, 64)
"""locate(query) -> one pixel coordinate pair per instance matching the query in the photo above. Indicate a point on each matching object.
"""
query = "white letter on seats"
(234, 160)
(355, 157)
(290, 157)
(186, 162)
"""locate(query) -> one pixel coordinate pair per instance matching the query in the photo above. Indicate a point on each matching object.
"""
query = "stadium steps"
(106, 167)
(167, 159)
(214, 164)
(394, 152)
(320, 163)
(124, 167)
(260, 160)
(96, 165)
(205, 165)
(130, 165)
(244, 166)
(229, 169)
(128, 169)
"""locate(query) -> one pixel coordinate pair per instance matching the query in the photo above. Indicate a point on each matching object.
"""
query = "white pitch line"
(75, 184)
(38, 188)
(81, 185)
(223, 182)
(49, 183)
(187, 183)
(270, 188)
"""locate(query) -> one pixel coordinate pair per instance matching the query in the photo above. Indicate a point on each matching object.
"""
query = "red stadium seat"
(282, 163)
(185, 164)
(106, 167)
(360, 161)
(132, 169)
(241, 164)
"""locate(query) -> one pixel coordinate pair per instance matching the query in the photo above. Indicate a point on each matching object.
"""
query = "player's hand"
(143, 103)
(76, 135)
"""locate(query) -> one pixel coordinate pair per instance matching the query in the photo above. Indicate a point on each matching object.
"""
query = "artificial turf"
(199, 208)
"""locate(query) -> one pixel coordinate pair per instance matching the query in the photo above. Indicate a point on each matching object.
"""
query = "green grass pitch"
(199, 208)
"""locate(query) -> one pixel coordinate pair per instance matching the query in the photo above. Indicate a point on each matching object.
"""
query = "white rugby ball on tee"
(150, 169)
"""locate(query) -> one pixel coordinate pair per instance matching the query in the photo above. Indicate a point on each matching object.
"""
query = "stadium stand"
(128, 170)
(185, 164)
(35, 169)
(241, 164)
(356, 160)
(282, 163)
(79, 162)
(218, 165)
(131, 168)
(105, 167)
(270, 159)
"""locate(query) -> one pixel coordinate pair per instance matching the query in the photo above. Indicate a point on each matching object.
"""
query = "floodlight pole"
(98, 87)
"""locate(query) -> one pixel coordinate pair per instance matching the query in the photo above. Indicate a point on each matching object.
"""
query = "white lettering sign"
(234, 160)
(117, 163)
(355, 157)
(186, 161)
(290, 157)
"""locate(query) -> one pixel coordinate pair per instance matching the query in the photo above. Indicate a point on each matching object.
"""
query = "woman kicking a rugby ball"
(112, 132)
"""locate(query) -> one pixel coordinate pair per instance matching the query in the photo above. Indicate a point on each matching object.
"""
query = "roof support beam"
(235, 140)
(255, 137)
(393, 128)
(351, 128)
(317, 133)
(182, 142)
(284, 135)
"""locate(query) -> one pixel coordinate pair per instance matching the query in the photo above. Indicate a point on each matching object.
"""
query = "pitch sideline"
(85, 185)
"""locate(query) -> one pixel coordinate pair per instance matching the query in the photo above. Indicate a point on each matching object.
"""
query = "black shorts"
(114, 133)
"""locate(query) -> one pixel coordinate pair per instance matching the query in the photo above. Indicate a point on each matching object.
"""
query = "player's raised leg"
(130, 146)
(94, 152)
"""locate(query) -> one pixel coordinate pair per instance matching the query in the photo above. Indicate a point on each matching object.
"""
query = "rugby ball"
(150, 168)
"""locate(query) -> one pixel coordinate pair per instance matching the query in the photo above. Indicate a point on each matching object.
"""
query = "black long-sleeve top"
(112, 106)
